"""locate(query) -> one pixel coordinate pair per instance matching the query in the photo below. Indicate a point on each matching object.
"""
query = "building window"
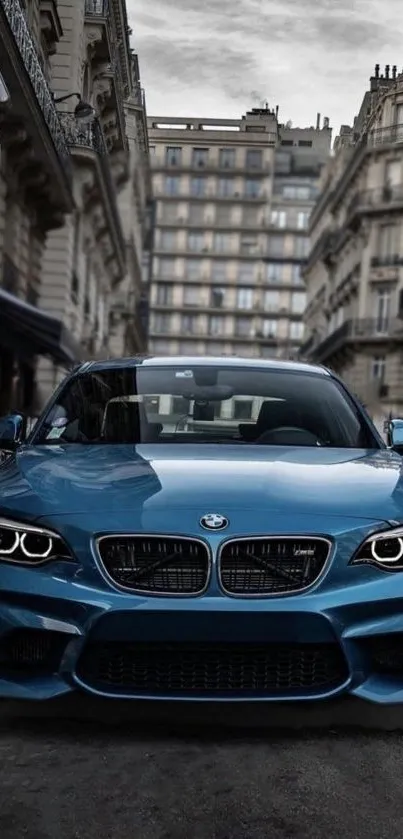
(198, 186)
(269, 328)
(296, 275)
(254, 159)
(225, 187)
(246, 272)
(252, 187)
(276, 245)
(243, 327)
(161, 323)
(216, 325)
(301, 193)
(152, 151)
(187, 348)
(393, 173)
(173, 155)
(249, 245)
(274, 272)
(196, 241)
(196, 214)
(217, 297)
(307, 144)
(382, 311)
(278, 218)
(388, 242)
(223, 242)
(164, 295)
(193, 269)
(296, 330)
(271, 301)
(244, 298)
(301, 247)
(191, 295)
(167, 240)
(219, 270)
(223, 214)
(303, 221)
(172, 185)
(298, 303)
(189, 324)
(378, 369)
(242, 409)
(227, 158)
(215, 348)
(166, 267)
(200, 157)
(169, 212)
(161, 347)
(250, 217)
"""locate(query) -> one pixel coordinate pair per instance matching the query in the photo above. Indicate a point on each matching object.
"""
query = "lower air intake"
(208, 668)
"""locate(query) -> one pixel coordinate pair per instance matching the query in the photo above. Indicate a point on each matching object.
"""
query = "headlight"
(29, 545)
(382, 549)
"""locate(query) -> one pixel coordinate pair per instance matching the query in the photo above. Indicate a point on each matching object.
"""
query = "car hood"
(45, 481)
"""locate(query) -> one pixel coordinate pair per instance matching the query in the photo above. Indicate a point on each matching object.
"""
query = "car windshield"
(205, 404)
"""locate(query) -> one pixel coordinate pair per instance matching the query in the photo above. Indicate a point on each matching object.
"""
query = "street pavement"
(93, 772)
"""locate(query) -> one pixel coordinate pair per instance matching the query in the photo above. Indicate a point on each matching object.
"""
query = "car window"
(205, 404)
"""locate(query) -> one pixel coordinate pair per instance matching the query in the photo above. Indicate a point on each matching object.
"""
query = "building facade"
(354, 275)
(128, 321)
(232, 206)
(67, 71)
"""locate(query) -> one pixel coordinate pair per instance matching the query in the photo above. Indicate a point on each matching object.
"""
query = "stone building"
(67, 71)
(232, 204)
(354, 275)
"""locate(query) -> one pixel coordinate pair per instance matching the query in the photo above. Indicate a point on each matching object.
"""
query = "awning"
(28, 331)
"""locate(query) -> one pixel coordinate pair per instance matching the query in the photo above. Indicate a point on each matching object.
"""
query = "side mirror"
(395, 435)
(12, 432)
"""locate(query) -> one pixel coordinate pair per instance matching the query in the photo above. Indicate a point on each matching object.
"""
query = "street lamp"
(83, 110)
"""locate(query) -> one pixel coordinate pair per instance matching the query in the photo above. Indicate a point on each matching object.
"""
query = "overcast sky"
(218, 58)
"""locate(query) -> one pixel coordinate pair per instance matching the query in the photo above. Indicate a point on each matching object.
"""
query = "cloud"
(217, 58)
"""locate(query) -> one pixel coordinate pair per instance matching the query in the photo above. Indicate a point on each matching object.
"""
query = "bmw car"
(201, 529)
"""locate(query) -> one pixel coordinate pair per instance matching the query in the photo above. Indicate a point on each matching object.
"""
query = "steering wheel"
(289, 435)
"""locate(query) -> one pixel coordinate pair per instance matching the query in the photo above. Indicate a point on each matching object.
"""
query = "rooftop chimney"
(317, 122)
(377, 69)
(394, 71)
(387, 69)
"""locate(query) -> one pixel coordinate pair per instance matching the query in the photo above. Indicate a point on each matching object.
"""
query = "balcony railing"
(91, 136)
(370, 200)
(96, 8)
(387, 260)
(19, 28)
(358, 329)
(385, 136)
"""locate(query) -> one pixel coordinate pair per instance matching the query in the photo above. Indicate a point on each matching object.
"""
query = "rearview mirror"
(12, 432)
(395, 435)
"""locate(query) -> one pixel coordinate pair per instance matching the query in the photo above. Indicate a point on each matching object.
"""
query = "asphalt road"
(104, 776)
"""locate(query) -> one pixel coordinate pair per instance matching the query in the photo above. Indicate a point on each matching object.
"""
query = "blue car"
(201, 529)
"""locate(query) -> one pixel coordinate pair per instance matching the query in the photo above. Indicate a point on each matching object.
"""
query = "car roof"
(201, 361)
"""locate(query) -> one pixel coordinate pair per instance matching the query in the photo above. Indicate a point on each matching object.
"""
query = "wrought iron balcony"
(376, 200)
(358, 330)
(22, 37)
(91, 137)
(386, 136)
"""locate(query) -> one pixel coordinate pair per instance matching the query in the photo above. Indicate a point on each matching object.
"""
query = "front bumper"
(55, 634)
